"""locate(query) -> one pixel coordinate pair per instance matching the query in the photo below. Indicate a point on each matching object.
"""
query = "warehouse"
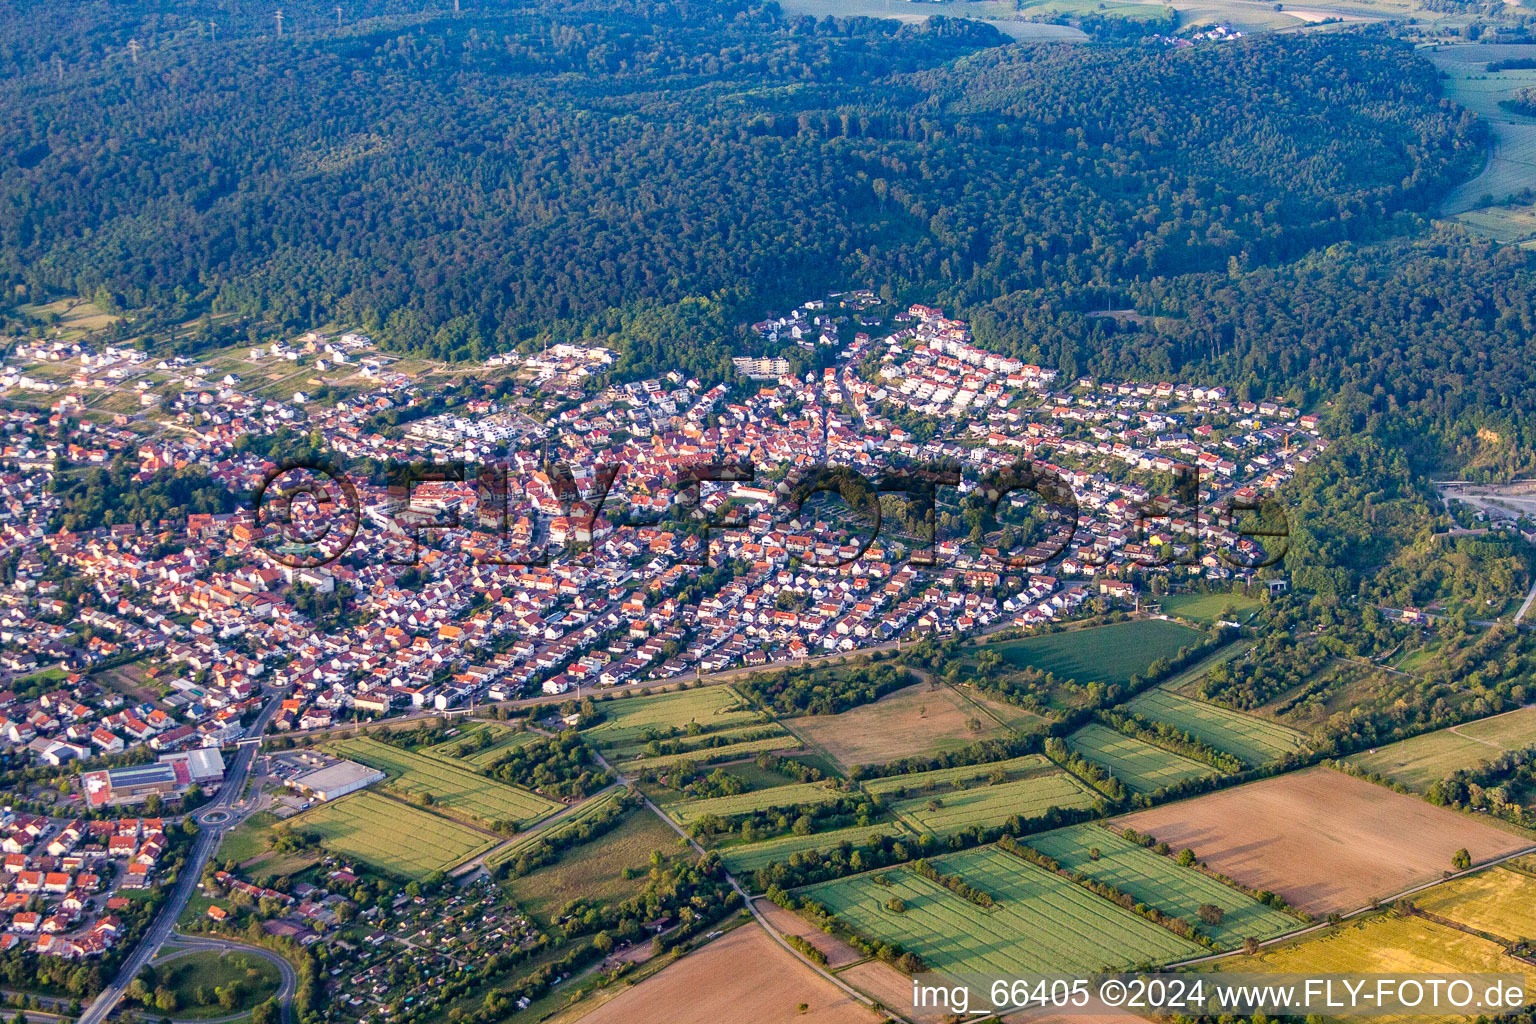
(336, 779)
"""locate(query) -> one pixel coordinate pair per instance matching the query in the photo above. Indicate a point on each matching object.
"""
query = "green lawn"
(1108, 654)
(251, 838)
(198, 978)
(1141, 766)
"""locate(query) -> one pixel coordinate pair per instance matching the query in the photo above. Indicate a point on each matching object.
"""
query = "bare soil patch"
(917, 719)
(839, 954)
(1324, 840)
(744, 976)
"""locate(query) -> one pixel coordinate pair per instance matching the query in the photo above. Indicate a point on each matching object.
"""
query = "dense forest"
(461, 184)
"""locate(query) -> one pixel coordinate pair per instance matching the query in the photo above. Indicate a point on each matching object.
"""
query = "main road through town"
(208, 838)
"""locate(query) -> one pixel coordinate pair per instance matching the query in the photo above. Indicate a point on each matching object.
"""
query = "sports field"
(1253, 739)
(1323, 840)
(1109, 654)
(1141, 766)
(1385, 944)
(1208, 607)
(686, 811)
(1423, 760)
(1041, 923)
(915, 781)
(748, 858)
(915, 720)
(627, 720)
(1159, 882)
(455, 788)
(988, 806)
(392, 836)
(1498, 901)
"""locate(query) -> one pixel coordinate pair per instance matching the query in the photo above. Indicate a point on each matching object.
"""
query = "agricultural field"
(687, 811)
(627, 720)
(1108, 654)
(454, 788)
(947, 777)
(1323, 840)
(1160, 882)
(918, 720)
(392, 836)
(1253, 739)
(1141, 766)
(741, 971)
(990, 806)
(467, 747)
(592, 807)
(747, 858)
(1207, 608)
(595, 870)
(1423, 760)
(1512, 166)
(1500, 901)
(1385, 944)
(1042, 923)
(715, 755)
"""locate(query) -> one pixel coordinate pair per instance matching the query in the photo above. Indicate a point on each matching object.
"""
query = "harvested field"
(839, 953)
(1160, 882)
(1323, 840)
(1423, 760)
(454, 787)
(392, 836)
(742, 976)
(1141, 766)
(1386, 944)
(989, 806)
(1252, 739)
(1041, 923)
(741, 860)
(915, 720)
(1498, 901)
(628, 720)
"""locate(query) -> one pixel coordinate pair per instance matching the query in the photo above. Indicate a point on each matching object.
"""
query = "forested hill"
(457, 184)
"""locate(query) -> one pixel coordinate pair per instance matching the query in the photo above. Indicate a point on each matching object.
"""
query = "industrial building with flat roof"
(337, 779)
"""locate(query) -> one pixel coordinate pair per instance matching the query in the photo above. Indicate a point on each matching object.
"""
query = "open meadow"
(1108, 654)
(1500, 901)
(686, 812)
(451, 786)
(1041, 922)
(391, 836)
(596, 870)
(481, 743)
(992, 805)
(1141, 766)
(747, 858)
(627, 721)
(918, 720)
(1323, 840)
(1423, 760)
(592, 808)
(1208, 608)
(716, 753)
(1253, 739)
(1159, 881)
(1511, 166)
(946, 778)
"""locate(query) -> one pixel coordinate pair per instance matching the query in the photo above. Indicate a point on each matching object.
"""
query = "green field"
(565, 825)
(626, 721)
(989, 806)
(1042, 923)
(1253, 739)
(1512, 163)
(1159, 882)
(1423, 760)
(748, 858)
(251, 838)
(449, 785)
(1208, 607)
(503, 739)
(256, 979)
(595, 871)
(1108, 654)
(390, 835)
(1029, 763)
(687, 811)
(1142, 767)
(714, 755)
